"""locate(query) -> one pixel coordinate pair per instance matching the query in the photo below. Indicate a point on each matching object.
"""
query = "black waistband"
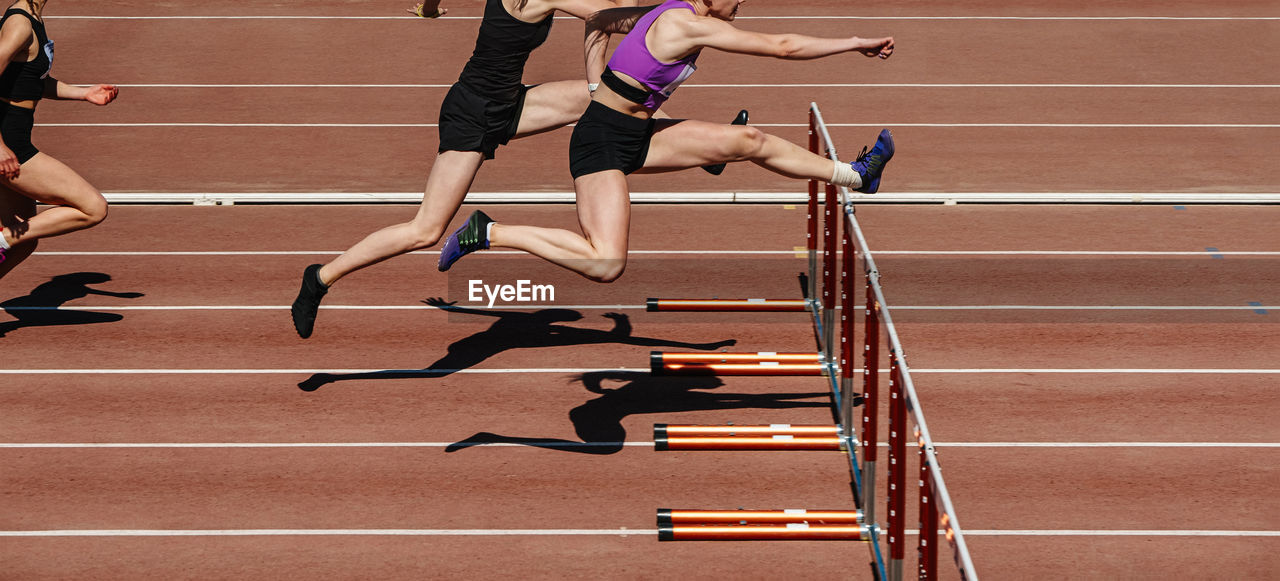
(600, 113)
(617, 85)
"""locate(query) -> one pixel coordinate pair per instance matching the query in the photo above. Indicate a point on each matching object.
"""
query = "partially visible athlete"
(27, 175)
(486, 108)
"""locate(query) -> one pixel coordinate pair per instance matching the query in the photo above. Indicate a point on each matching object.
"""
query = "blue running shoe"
(468, 238)
(870, 164)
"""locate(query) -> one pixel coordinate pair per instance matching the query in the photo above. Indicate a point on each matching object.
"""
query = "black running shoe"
(468, 238)
(716, 169)
(308, 301)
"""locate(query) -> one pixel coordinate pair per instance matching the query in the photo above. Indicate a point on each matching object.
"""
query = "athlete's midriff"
(25, 104)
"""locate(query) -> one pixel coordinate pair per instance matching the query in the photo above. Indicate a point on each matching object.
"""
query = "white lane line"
(1040, 198)
(1179, 308)
(76, 445)
(521, 307)
(936, 125)
(328, 532)
(429, 252)
(1102, 371)
(732, 85)
(410, 372)
(796, 17)
(1083, 308)
(1105, 444)
(1075, 253)
(1114, 533)
(317, 445)
(581, 532)
(1202, 253)
(286, 125)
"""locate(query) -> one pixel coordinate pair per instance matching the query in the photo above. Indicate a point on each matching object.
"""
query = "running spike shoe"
(468, 238)
(718, 168)
(308, 302)
(870, 164)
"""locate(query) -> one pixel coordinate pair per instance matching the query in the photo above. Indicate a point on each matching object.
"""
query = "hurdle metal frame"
(936, 508)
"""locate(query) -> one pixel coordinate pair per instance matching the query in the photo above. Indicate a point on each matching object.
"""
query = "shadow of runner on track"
(513, 330)
(40, 307)
(599, 421)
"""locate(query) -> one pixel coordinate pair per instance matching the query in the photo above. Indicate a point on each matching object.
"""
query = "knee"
(747, 142)
(606, 270)
(424, 235)
(95, 210)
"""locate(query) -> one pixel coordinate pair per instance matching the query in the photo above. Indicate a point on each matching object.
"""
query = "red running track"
(548, 481)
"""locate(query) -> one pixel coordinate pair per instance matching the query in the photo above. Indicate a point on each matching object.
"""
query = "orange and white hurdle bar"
(727, 305)
(760, 525)
(668, 437)
(760, 363)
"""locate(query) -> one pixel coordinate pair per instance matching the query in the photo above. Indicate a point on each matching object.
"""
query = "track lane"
(409, 104)
(1144, 161)
(476, 488)
(272, 409)
(398, 159)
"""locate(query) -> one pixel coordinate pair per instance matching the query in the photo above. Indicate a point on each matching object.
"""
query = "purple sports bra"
(633, 59)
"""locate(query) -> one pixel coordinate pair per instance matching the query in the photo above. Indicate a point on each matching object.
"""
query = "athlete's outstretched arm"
(96, 94)
(683, 33)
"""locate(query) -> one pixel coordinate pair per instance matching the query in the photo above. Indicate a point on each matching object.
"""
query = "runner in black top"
(486, 107)
(30, 176)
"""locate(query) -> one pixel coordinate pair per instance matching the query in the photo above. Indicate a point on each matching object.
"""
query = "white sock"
(4, 244)
(488, 231)
(843, 175)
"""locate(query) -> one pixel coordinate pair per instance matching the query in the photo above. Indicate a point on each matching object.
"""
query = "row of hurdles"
(838, 269)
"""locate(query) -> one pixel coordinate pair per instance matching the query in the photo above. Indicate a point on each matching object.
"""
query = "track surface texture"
(1099, 378)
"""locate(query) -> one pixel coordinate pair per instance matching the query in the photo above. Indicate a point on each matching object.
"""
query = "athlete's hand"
(428, 9)
(9, 166)
(101, 94)
(881, 47)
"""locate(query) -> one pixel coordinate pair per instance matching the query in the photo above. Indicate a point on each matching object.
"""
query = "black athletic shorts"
(471, 122)
(15, 129)
(605, 139)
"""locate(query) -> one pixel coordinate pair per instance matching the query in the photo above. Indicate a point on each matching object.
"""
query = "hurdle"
(936, 511)
(668, 516)
(771, 525)
(766, 532)
(761, 363)
(726, 305)
(839, 262)
(748, 437)
(709, 525)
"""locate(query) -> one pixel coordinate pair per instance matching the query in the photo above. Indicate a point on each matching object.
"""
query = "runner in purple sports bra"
(633, 59)
(618, 135)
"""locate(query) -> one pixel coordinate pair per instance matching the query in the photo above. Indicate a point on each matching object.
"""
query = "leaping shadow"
(514, 330)
(598, 422)
(40, 308)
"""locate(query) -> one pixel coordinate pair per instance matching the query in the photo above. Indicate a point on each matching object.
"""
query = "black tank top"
(496, 67)
(24, 81)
